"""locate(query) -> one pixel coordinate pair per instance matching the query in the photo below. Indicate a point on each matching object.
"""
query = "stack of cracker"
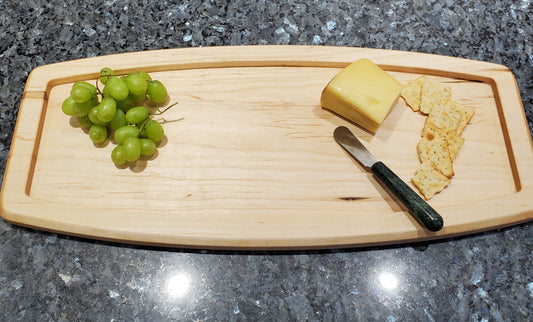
(441, 134)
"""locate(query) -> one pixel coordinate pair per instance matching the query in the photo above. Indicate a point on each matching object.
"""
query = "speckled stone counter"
(49, 277)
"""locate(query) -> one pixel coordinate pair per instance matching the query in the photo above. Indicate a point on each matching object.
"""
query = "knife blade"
(418, 207)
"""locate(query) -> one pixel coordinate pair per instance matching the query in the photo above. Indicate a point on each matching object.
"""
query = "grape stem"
(142, 127)
(98, 88)
(163, 121)
(159, 111)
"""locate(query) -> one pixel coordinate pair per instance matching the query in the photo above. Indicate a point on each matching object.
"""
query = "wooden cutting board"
(249, 161)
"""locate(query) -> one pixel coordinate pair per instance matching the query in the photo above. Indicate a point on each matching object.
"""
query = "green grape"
(107, 109)
(137, 85)
(140, 126)
(68, 106)
(154, 131)
(144, 75)
(124, 132)
(118, 121)
(81, 94)
(148, 147)
(118, 156)
(132, 148)
(117, 88)
(105, 73)
(84, 121)
(87, 85)
(157, 92)
(98, 133)
(82, 109)
(126, 103)
(136, 114)
(131, 101)
(121, 110)
(138, 98)
(105, 92)
(93, 116)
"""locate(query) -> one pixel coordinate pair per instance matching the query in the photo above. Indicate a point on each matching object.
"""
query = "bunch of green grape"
(119, 112)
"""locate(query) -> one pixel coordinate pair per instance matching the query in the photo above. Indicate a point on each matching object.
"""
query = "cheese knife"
(418, 207)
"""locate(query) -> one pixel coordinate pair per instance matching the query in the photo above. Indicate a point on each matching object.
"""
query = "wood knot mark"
(352, 198)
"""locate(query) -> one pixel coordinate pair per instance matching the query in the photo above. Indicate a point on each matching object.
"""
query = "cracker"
(465, 114)
(435, 150)
(443, 117)
(429, 180)
(432, 131)
(441, 135)
(412, 93)
(433, 94)
(453, 141)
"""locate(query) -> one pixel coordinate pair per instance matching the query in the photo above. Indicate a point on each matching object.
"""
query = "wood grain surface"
(249, 161)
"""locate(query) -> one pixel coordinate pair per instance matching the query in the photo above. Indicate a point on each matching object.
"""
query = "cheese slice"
(363, 93)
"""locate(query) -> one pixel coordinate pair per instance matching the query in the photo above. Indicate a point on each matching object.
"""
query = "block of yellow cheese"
(363, 93)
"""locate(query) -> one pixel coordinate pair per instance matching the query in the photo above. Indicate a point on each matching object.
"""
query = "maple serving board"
(249, 160)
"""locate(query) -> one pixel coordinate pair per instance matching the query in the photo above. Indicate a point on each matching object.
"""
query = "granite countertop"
(50, 277)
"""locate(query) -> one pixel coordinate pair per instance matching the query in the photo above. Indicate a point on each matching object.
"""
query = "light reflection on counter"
(178, 285)
(388, 281)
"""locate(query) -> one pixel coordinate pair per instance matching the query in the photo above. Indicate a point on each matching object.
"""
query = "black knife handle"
(417, 206)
